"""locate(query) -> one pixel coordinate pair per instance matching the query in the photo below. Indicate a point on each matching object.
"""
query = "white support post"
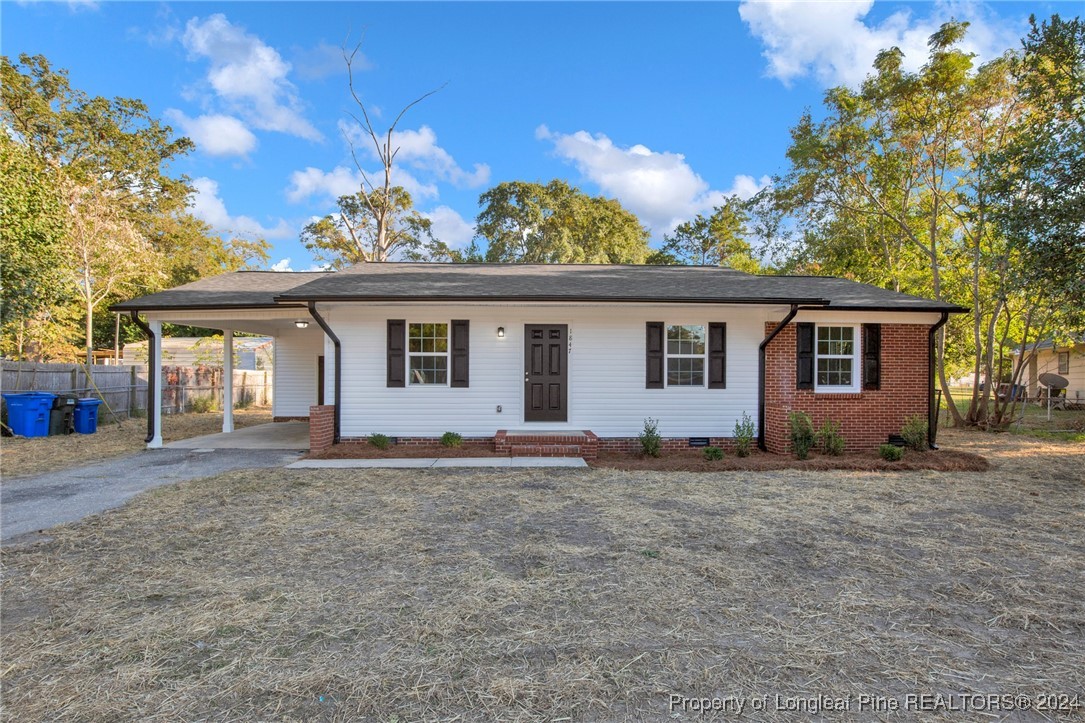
(154, 378)
(228, 380)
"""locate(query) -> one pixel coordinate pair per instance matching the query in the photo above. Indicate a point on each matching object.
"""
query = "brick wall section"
(321, 427)
(629, 445)
(867, 418)
(486, 442)
(585, 444)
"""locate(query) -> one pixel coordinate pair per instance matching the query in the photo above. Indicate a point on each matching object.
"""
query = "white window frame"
(856, 357)
(447, 355)
(667, 356)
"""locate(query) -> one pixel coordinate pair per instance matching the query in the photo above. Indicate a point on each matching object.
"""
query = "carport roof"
(235, 290)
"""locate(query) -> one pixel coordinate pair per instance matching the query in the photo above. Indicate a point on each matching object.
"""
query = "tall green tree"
(556, 223)
(719, 239)
(357, 233)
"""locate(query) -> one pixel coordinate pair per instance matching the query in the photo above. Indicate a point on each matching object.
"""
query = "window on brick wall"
(836, 360)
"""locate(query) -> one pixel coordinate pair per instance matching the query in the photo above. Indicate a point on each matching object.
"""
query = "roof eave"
(328, 298)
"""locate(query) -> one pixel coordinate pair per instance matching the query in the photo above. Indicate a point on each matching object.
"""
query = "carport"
(240, 302)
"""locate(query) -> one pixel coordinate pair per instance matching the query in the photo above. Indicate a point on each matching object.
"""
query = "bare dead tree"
(379, 199)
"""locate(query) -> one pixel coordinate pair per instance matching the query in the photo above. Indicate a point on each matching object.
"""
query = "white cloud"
(419, 150)
(341, 181)
(207, 206)
(323, 60)
(284, 265)
(661, 188)
(449, 226)
(834, 42)
(249, 75)
(216, 135)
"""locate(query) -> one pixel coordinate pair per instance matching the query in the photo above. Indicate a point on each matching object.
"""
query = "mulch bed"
(693, 460)
(364, 450)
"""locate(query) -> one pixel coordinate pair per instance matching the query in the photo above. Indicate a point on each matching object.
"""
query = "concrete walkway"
(36, 503)
(276, 435)
(427, 463)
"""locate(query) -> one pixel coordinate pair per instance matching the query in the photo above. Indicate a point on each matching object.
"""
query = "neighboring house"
(413, 350)
(250, 353)
(1066, 360)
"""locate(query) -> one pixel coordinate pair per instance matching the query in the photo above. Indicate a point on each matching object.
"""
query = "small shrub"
(380, 441)
(244, 400)
(451, 439)
(202, 405)
(744, 434)
(891, 452)
(802, 433)
(713, 454)
(830, 440)
(915, 432)
(651, 443)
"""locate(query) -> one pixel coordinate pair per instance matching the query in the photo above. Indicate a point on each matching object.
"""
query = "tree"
(557, 223)
(356, 235)
(715, 240)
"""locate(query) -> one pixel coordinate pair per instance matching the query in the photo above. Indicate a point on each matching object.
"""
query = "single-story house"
(532, 358)
(1067, 360)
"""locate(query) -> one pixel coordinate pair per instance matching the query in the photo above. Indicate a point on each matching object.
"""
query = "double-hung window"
(427, 353)
(1064, 362)
(837, 353)
(685, 356)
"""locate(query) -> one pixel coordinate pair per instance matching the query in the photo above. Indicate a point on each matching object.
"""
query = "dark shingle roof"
(239, 289)
(527, 282)
(587, 282)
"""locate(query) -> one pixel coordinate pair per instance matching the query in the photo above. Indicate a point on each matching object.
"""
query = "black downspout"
(761, 375)
(151, 341)
(932, 412)
(338, 365)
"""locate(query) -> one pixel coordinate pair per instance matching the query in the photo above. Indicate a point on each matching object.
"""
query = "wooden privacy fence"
(124, 388)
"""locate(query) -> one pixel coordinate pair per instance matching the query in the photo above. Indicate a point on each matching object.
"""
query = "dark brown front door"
(546, 376)
(320, 380)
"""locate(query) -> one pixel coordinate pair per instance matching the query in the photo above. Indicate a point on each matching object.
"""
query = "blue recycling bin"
(28, 413)
(86, 415)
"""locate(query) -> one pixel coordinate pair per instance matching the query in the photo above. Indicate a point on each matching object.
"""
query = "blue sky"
(665, 106)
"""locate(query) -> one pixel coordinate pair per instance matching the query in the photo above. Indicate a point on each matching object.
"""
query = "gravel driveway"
(29, 505)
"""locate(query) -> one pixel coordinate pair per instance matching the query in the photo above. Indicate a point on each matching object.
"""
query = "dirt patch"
(364, 450)
(21, 456)
(550, 594)
(693, 460)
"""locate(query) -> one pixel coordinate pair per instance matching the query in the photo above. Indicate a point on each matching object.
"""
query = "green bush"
(380, 441)
(915, 432)
(830, 440)
(744, 434)
(245, 399)
(891, 452)
(202, 405)
(451, 439)
(713, 454)
(802, 433)
(651, 443)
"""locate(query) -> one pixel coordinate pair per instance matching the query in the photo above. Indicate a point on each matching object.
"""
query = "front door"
(546, 375)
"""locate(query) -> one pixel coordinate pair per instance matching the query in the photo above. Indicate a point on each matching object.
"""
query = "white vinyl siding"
(606, 371)
(296, 355)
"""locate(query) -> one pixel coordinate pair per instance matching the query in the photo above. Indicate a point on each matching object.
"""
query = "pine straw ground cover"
(21, 456)
(553, 594)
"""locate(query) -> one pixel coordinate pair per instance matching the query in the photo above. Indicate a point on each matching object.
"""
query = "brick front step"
(545, 450)
(571, 443)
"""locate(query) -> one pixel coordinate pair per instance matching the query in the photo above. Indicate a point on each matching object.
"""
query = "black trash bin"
(62, 415)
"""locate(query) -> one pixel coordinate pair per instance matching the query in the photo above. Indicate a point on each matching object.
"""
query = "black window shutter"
(397, 354)
(804, 355)
(717, 355)
(653, 357)
(461, 343)
(872, 356)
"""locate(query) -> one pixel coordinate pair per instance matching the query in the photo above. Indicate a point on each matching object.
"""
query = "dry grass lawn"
(21, 456)
(553, 594)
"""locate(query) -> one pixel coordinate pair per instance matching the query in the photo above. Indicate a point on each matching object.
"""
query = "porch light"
(301, 324)
(500, 332)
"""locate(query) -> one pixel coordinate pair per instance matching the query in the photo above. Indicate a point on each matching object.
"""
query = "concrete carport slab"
(276, 435)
